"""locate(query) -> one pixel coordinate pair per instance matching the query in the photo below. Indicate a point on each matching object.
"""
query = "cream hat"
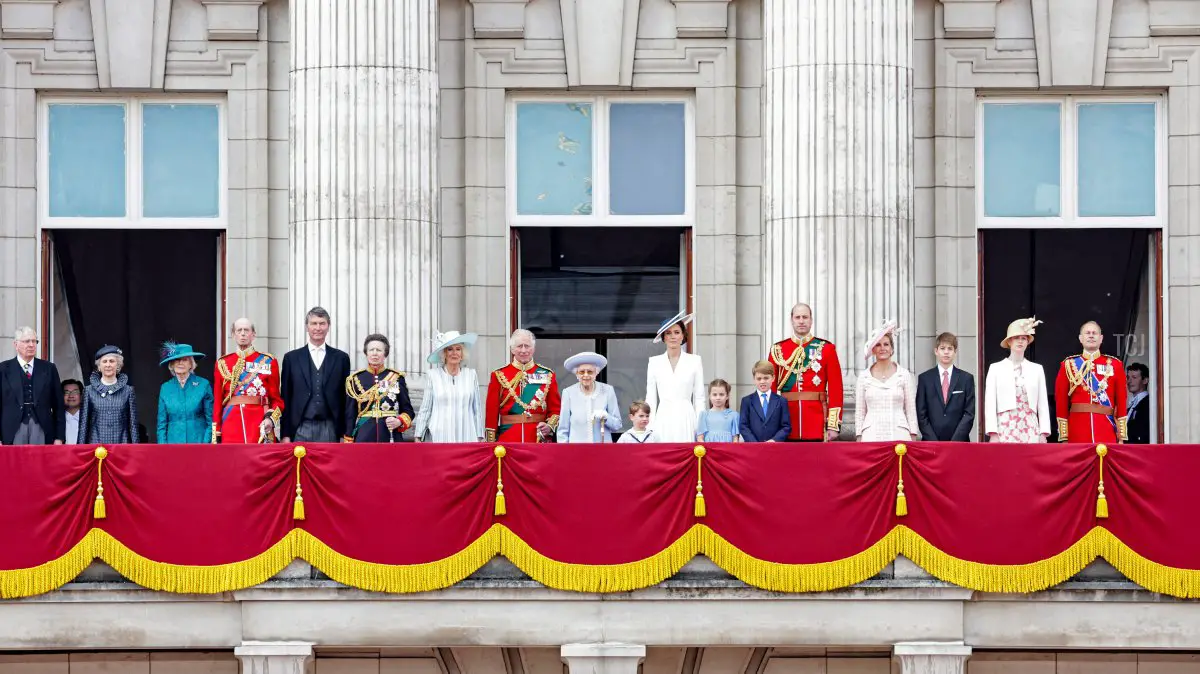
(888, 327)
(1018, 328)
(444, 340)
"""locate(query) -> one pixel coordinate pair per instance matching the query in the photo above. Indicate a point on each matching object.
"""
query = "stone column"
(603, 658)
(922, 657)
(364, 184)
(274, 657)
(838, 189)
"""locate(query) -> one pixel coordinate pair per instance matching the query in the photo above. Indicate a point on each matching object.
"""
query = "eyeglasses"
(27, 341)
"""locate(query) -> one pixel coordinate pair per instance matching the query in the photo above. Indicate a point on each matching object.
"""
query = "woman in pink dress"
(1015, 408)
(885, 400)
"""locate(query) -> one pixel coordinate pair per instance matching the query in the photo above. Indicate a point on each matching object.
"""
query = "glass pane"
(626, 371)
(1021, 159)
(87, 161)
(554, 159)
(181, 161)
(598, 281)
(1117, 159)
(552, 352)
(646, 158)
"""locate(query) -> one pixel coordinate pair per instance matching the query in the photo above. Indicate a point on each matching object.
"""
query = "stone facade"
(885, 201)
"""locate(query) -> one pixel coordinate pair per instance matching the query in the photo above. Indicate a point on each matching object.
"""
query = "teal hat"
(171, 351)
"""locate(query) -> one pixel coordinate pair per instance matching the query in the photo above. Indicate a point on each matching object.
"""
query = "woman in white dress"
(885, 401)
(589, 409)
(675, 385)
(450, 408)
(1015, 405)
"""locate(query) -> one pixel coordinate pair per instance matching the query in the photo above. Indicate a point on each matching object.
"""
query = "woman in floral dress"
(1015, 408)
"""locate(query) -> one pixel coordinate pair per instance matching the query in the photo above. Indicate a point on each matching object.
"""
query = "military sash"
(375, 402)
(524, 392)
(244, 380)
(804, 357)
(1082, 372)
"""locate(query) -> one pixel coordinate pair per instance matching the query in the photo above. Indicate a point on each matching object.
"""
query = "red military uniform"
(246, 391)
(519, 397)
(1089, 399)
(809, 376)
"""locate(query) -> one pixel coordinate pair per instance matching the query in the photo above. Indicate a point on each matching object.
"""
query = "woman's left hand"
(392, 423)
(913, 436)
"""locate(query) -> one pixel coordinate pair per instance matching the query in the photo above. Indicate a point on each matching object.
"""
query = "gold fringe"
(816, 577)
(700, 509)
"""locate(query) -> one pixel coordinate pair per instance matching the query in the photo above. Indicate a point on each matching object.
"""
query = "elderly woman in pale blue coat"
(590, 413)
(185, 401)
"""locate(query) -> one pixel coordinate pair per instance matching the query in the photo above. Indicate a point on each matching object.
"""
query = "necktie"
(945, 386)
(764, 404)
(29, 370)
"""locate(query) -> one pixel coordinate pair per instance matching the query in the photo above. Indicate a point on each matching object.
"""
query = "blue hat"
(171, 351)
(106, 350)
(682, 317)
(445, 340)
(586, 358)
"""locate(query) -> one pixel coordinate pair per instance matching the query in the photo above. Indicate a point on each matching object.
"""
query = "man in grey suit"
(31, 404)
(946, 396)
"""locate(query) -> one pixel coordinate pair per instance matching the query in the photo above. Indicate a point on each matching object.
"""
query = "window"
(132, 163)
(1071, 162)
(600, 161)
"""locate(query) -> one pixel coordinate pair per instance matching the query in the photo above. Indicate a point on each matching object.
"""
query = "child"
(765, 416)
(639, 415)
(718, 423)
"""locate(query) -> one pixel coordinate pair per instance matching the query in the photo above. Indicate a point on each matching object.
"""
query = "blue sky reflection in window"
(554, 158)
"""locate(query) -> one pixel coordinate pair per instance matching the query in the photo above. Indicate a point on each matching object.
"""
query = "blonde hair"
(764, 367)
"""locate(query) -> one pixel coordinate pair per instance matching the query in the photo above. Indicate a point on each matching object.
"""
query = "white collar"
(1136, 398)
(23, 363)
(314, 347)
(943, 370)
(72, 414)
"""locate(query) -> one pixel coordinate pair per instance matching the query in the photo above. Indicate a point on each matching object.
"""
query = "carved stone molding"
(932, 657)
(131, 43)
(274, 657)
(232, 19)
(599, 38)
(1072, 41)
(499, 18)
(701, 18)
(27, 19)
(1174, 17)
(969, 18)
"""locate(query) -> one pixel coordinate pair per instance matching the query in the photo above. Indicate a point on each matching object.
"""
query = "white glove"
(599, 415)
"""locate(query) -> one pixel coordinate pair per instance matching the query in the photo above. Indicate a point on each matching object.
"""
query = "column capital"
(932, 657)
(274, 657)
(603, 658)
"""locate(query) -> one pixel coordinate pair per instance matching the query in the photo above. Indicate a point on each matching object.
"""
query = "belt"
(378, 414)
(512, 419)
(1088, 408)
(804, 395)
(248, 400)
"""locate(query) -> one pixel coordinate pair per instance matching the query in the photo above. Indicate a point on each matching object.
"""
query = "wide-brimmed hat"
(170, 351)
(888, 327)
(1018, 328)
(106, 350)
(681, 317)
(445, 340)
(586, 358)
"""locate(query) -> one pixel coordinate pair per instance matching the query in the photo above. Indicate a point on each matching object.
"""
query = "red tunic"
(1097, 381)
(245, 391)
(808, 374)
(528, 391)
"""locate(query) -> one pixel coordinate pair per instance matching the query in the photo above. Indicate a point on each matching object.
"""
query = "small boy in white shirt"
(639, 415)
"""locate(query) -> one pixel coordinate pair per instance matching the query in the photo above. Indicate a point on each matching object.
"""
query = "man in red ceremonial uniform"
(1090, 392)
(809, 376)
(522, 398)
(247, 405)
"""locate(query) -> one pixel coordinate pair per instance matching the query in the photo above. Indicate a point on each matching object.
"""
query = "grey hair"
(466, 353)
(521, 332)
(170, 363)
(120, 361)
(23, 331)
(317, 312)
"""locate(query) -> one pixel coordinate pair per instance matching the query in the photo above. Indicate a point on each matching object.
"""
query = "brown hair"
(764, 367)
(376, 337)
(719, 382)
(639, 406)
(948, 339)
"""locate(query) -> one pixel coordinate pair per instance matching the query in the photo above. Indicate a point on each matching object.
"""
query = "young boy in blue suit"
(764, 415)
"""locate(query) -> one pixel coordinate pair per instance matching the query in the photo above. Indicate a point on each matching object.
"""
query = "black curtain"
(135, 290)
(1064, 277)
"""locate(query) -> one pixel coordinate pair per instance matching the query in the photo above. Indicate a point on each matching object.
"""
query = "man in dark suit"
(1137, 377)
(764, 414)
(946, 396)
(313, 386)
(31, 403)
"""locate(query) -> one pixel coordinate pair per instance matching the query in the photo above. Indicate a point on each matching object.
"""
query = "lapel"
(14, 377)
(308, 366)
(955, 383)
(762, 414)
(937, 386)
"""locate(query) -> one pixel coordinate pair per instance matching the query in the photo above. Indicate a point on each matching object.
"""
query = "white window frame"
(600, 215)
(133, 165)
(1068, 166)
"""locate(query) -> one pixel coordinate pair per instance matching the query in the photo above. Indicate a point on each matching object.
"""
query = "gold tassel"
(901, 499)
(1101, 501)
(99, 512)
(501, 507)
(298, 505)
(700, 510)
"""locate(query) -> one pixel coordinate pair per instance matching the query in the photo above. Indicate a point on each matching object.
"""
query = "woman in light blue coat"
(589, 409)
(185, 401)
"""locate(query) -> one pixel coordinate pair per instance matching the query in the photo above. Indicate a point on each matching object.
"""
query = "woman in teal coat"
(185, 401)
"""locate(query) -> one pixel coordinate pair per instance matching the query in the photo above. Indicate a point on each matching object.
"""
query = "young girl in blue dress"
(718, 423)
